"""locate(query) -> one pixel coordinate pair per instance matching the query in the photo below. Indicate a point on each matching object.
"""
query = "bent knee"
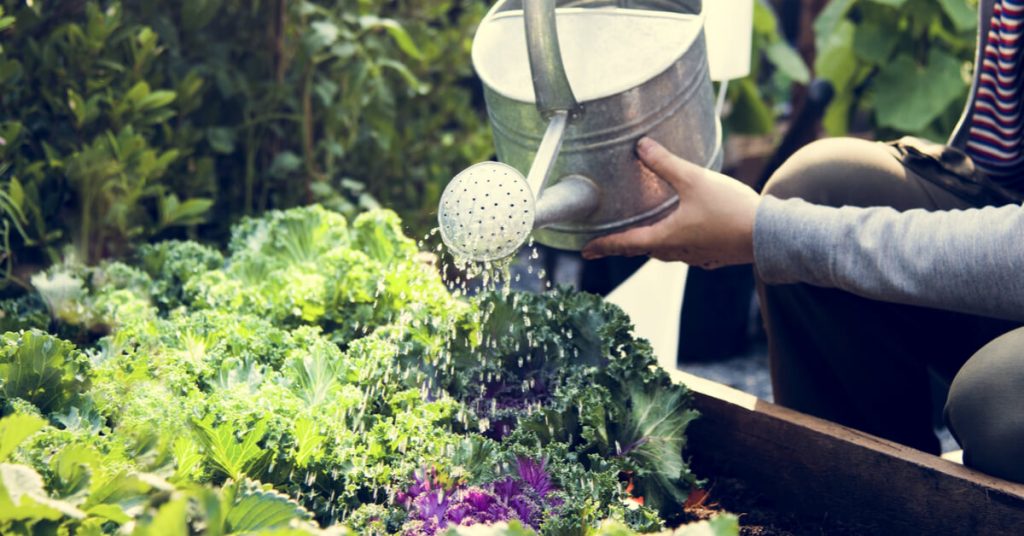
(984, 408)
(836, 172)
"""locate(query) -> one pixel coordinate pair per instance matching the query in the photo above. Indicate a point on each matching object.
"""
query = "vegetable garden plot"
(320, 377)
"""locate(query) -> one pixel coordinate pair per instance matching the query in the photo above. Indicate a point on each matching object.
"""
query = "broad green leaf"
(750, 114)
(325, 33)
(73, 467)
(908, 96)
(284, 163)
(126, 490)
(196, 14)
(765, 22)
(231, 456)
(170, 520)
(188, 460)
(786, 59)
(41, 368)
(190, 212)
(23, 497)
(836, 61)
(897, 4)
(414, 83)
(828, 21)
(874, 43)
(655, 436)
(397, 32)
(16, 192)
(137, 92)
(221, 139)
(109, 511)
(837, 115)
(961, 13)
(154, 100)
(308, 442)
(256, 508)
(16, 428)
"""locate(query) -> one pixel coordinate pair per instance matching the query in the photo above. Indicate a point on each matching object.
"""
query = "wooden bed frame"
(809, 465)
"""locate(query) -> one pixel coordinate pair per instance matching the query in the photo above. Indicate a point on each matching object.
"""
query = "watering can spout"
(571, 199)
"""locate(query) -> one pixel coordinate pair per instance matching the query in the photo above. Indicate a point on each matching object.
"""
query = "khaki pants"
(864, 363)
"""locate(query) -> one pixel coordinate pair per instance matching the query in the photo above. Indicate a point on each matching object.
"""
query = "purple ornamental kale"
(433, 508)
(535, 475)
(432, 505)
(476, 505)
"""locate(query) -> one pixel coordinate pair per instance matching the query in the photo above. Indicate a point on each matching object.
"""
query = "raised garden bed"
(785, 472)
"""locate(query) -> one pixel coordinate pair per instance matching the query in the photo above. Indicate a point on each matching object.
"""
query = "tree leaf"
(414, 83)
(836, 61)
(787, 60)
(154, 100)
(398, 33)
(963, 16)
(325, 33)
(828, 21)
(750, 114)
(908, 96)
(137, 92)
(221, 139)
(874, 43)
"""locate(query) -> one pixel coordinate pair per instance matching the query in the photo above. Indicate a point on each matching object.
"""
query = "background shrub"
(126, 120)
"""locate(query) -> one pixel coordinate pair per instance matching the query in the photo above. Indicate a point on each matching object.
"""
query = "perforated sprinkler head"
(486, 212)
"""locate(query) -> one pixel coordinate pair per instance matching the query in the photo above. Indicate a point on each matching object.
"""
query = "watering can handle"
(550, 83)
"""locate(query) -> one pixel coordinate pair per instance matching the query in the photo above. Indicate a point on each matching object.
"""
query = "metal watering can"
(566, 114)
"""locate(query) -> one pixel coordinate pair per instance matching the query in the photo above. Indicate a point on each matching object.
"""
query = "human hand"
(713, 225)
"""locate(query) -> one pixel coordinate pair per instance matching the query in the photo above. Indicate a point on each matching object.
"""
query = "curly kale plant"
(320, 375)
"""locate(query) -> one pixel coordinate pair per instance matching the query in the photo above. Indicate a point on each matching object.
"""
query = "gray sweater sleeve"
(963, 260)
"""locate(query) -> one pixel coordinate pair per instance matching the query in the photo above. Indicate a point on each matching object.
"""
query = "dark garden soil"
(760, 517)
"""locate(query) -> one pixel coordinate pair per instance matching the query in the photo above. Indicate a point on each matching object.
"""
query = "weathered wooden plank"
(808, 464)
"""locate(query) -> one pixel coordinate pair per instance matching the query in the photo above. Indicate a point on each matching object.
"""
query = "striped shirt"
(995, 142)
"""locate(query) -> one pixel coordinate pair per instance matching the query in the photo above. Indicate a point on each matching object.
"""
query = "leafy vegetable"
(320, 377)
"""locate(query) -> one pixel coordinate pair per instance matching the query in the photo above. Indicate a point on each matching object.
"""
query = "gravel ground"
(749, 373)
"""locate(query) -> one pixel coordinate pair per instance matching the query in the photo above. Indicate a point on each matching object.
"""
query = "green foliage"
(41, 369)
(902, 64)
(775, 66)
(122, 121)
(90, 126)
(244, 414)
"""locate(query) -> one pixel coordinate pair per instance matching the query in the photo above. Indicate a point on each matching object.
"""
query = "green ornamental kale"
(322, 375)
(41, 369)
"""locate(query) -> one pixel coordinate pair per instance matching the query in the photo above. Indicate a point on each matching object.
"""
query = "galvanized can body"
(674, 107)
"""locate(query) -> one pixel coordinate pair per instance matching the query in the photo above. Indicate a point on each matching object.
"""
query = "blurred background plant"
(128, 120)
(123, 121)
(897, 66)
